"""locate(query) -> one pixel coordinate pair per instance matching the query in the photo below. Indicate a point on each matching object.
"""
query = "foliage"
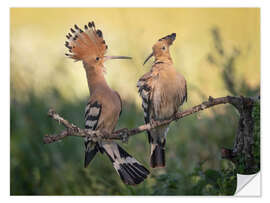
(199, 182)
(57, 169)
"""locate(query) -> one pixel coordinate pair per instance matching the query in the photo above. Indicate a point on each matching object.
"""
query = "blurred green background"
(216, 49)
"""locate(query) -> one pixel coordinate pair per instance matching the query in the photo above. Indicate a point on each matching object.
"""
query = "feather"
(86, 43)
(92, 114)
(128, 168)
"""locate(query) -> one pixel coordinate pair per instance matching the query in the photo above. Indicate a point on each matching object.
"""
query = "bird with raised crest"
(163, 90)
(104, 107)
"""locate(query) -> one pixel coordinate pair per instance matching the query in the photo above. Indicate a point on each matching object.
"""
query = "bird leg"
(153, 123)
(174, 117)
(123, 134)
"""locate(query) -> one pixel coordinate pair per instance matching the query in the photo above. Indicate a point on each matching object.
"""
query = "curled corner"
(248, 185)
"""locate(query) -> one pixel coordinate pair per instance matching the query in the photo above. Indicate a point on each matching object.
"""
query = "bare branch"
(124, 134)
(243, 140)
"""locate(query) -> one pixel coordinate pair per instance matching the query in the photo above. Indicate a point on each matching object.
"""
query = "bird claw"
(123, 134)
(174, 117)
(210, 99)
(125, 138)
(90, 138)
(153, 123)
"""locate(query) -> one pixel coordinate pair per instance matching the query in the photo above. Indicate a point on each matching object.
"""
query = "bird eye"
(163, 48)
(97, 58)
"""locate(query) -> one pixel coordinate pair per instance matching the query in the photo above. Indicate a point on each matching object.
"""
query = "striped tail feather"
(91, 150)
(157, 157)
(128, 168)
(158, 141)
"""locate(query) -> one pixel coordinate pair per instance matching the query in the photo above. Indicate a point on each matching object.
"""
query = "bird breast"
(111, 107)
(169, 93)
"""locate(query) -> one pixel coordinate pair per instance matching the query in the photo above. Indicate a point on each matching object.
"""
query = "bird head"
(161, 48)
(89, 46)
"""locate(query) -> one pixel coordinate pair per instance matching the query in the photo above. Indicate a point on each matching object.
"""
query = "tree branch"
(242, 145)
(123, 134)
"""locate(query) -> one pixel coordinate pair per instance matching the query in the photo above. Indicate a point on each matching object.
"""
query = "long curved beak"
(148, 58)
(117, 57)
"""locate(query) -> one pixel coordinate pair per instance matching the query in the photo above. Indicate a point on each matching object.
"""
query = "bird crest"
(88, 45)
(161, 48)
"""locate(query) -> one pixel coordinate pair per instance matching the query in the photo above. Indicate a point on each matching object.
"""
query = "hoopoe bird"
(163, 90)
(104, 107)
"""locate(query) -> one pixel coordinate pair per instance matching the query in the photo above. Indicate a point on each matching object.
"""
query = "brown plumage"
(104, 107)
(163, 91)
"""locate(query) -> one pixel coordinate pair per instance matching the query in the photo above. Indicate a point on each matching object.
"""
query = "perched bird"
(104, 107)
(163, 90)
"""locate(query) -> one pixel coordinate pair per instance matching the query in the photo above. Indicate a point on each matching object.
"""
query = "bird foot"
(123, 134)
(153, 123)
(174, 117)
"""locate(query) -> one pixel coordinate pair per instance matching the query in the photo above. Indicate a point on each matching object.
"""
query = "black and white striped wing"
(92, 114)
(145, 93)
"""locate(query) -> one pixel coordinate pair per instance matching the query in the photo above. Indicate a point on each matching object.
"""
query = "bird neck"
(95, 79)
(163, 59)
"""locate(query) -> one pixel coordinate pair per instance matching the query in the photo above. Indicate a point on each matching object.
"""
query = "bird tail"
(157, 139)
(128, 168)
(84, 43)
(91, 149)
(157, 157)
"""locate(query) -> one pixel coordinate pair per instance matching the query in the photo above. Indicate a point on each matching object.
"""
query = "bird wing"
(182, 90)
(120, 102)
(186, 95)
(145, 89)
(92, 114)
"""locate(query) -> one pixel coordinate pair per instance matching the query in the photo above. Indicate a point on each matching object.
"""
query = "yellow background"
(38, 36)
